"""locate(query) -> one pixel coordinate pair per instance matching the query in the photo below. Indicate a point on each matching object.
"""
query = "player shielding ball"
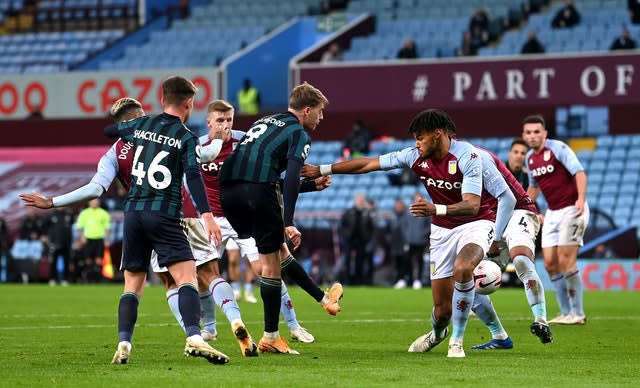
(463, 220)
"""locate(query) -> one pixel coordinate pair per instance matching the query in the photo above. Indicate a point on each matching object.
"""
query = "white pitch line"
(336, 321)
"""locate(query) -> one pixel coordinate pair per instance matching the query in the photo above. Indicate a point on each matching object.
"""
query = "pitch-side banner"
(90, 94)
(601, 275)
(478, 82)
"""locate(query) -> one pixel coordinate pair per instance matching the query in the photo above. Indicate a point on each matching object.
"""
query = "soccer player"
(520, 237)
(164, 151)
(251, 200)
(554, 170)
(117, 163)
(463, 222)
(220, 116)
(515, 162)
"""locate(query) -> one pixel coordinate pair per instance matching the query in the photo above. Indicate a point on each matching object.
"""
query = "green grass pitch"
(66, 336)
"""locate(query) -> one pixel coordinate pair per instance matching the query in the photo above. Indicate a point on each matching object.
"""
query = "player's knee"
(463, 269)
(520, 262)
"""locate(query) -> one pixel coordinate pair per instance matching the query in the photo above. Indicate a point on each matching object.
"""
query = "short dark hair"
(177, 89)
(535, 119)
(520, 141)
(431, 119)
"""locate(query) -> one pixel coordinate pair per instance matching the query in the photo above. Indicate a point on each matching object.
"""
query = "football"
(487, 276)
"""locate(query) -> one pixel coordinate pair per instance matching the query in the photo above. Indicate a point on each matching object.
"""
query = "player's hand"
(323, 182)
(541, 218)
(294, 235)
(495, 248)
(220, 131)
(579, 207)
(213, 229)
(310, 171)
(37, 200)
(422, 208)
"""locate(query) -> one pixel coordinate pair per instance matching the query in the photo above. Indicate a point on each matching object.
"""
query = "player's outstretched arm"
(354, 166)
(82, 194)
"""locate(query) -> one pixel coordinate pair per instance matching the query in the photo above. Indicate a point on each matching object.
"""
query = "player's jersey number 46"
(155, 169)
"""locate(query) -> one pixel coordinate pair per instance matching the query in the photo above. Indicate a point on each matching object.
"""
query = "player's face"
(516, 156)
(534, 134)
(312, 117)
(427, 142)
(221, 120)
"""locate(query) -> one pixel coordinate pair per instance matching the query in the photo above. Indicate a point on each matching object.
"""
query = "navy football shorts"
(145, 231)
(254, 210)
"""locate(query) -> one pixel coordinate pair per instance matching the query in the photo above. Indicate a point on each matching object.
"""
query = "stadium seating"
(49, 52)
(601, 22)
(226, 27)
(437, 27)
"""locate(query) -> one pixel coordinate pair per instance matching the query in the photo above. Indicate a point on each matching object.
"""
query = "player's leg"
(534, 291)
(209, 278)
(249, 279)
(174, 252)
(216, 288)
(567, 255)
(255, 210)
(298, 333)
(550, 241)
(484, 310)
(520, 236)
(441, 291)
(171, 289)
(473, 241)
(572, 230)
(463, 295)
(329, 300)
(213, 289)
(184, 273)
(128, 313)
(135, 246)
(249, 250)
(234, 273)
(271, 291)
(443, 253)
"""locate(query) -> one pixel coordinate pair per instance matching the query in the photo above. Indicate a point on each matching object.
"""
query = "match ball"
(487, 277)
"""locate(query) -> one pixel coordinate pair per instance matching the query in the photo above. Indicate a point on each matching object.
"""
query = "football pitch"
(66, 336)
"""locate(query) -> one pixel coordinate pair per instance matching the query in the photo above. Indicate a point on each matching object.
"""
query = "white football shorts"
(562, 227)
(522, 229)
(447, 243)
(247, 246)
